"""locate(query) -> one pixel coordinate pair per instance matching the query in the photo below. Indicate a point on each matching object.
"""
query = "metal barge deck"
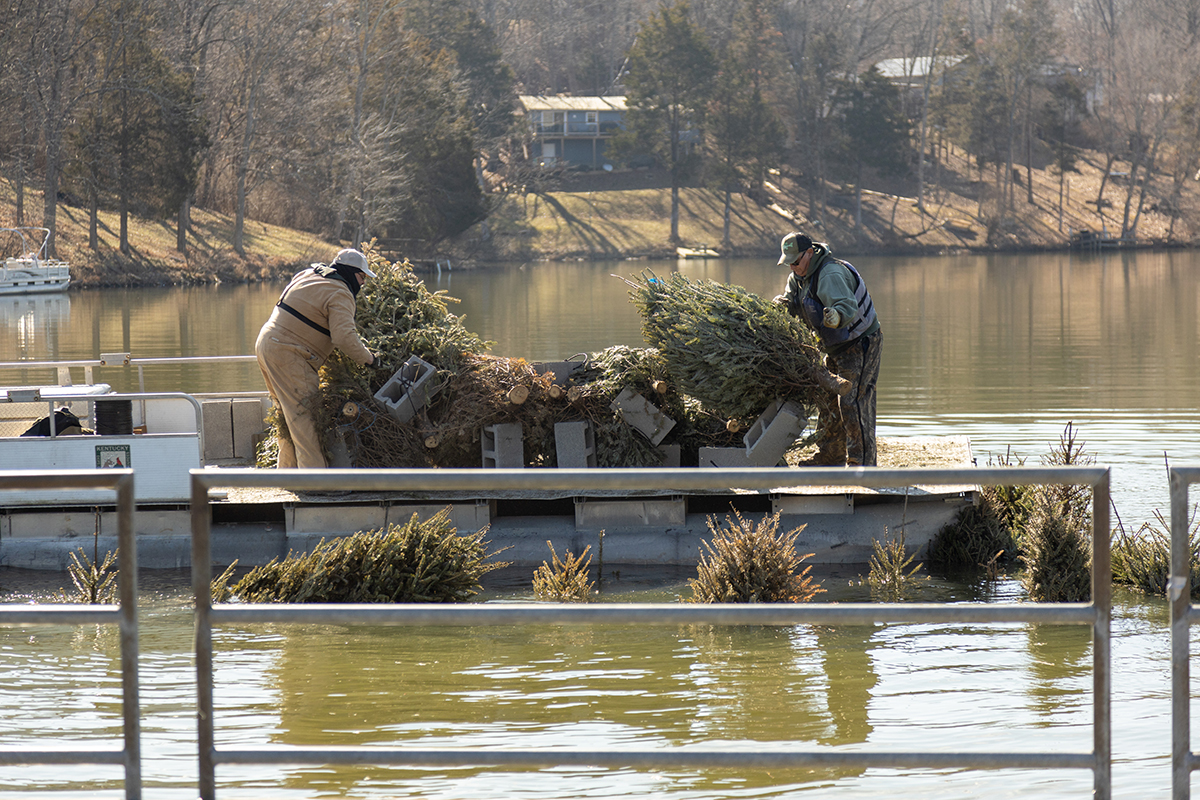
(166, 435)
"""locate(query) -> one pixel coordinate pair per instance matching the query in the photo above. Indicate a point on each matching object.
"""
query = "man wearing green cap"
(832, 299)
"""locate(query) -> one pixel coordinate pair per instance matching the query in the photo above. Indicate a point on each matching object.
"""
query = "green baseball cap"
(792, 247)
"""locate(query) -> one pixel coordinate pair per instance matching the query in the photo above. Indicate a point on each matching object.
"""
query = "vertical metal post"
(1102, 639)
(128, 589)
(202, 588)
(1179, 590)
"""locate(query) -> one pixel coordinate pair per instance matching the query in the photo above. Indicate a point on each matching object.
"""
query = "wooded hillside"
(376, 118)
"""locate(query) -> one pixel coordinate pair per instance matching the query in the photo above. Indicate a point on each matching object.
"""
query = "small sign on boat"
(112, 456)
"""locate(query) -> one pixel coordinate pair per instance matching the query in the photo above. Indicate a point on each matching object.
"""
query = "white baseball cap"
(353, 258)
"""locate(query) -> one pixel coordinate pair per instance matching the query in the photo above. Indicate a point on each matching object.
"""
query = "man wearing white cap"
(314, 315)
(832, 299)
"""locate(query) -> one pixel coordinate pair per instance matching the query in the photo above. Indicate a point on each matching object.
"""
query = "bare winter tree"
(58, 34)
(826, 41)
(1156, 61)
(265, 49)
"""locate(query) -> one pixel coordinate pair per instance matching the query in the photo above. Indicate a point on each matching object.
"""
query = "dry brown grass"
(271, 251)
(962, 213)
(628, 215)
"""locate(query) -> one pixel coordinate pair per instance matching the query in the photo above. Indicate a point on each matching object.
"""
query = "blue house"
(567, 131)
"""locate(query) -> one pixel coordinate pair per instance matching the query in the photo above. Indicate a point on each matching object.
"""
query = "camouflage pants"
(849, 426)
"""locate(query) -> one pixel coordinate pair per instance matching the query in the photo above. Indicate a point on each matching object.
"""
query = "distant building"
(910, 73)
(572, 130)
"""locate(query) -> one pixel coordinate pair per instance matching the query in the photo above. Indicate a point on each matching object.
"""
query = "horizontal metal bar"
(1187, 474)
(64, 614)
(95, 362)
(15, 757)
(666, 757)
(584, 480)
(63, 479)
(662, 614)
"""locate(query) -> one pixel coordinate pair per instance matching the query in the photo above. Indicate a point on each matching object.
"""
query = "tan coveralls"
(290, 353)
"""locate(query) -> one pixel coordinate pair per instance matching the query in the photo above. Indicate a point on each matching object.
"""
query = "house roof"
(919, 67)
(562, 102)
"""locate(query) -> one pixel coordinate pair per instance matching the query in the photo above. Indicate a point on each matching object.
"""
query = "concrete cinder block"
(630, 513)
(409, 390)
(248, 423)
(774, 432)
(575, 444)
(671, 455)
(504, 446)
(642, 415)
(218, 429)
(723, 457)
(813, 504)
(339, 452)
(465, 517)
(561, 370)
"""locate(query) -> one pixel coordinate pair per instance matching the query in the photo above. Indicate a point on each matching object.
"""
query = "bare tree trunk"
(50, 185)
(93, 218)
(1029, 142)
(935, 17)
(858, 182)
(1062, 179)
(181, 228)
(1109, 160)
(674, 209)
(21, 160)
(243, 167)
(726, 240)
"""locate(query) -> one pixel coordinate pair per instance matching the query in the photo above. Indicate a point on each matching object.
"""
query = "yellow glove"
(832, 318)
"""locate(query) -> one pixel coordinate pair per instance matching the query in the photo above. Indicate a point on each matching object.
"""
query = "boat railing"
(62, 376)
(1096, 614)
(123, 615)
(36, 394)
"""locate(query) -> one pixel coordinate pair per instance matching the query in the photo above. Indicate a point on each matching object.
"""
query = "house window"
(552, 122)
(592, 116)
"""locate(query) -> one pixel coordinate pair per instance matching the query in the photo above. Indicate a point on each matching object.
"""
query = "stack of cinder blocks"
(767, 440)
(232, 428)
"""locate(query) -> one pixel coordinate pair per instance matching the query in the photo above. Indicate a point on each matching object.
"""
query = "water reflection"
(851, 677)
(596, 688)
(1060, 671)
(888, 688)
(34, 321)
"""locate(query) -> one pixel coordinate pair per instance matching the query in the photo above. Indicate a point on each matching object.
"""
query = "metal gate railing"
(1097, 614)
(123, 615)
(62, 369)
(1183, 617)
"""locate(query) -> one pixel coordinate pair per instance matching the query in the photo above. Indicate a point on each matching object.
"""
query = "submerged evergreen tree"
(1055, 537)
(421, 561)
(748, 562)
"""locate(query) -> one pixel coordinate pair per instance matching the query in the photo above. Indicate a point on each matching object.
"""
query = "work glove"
(779, 300)
(832, 318)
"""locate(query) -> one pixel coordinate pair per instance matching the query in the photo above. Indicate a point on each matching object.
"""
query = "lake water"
(1004, 349)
